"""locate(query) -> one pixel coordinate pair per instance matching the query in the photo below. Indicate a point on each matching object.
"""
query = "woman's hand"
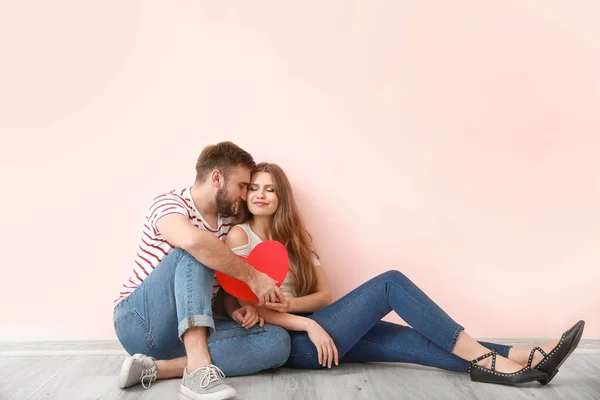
(247, 316)
(324, 343)
(285, 305)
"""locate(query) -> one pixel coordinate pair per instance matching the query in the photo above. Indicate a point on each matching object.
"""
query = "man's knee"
(183, 255)
(185, 259)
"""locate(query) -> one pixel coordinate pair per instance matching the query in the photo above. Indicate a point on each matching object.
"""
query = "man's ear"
(216, 178)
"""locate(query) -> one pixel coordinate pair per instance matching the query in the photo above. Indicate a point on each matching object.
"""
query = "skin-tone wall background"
(456, 142)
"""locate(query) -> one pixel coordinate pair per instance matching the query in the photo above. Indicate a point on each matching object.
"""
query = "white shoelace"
(210, 373)
(148, 375)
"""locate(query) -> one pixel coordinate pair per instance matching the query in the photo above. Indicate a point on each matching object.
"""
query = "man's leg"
(193, 298)
(171, 306)
(236, 350)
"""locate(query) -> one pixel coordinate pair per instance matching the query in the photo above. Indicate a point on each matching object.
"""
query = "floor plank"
(21, 378)
(96, 377)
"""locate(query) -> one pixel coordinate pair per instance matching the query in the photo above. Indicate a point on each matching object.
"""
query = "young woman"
(351, 330)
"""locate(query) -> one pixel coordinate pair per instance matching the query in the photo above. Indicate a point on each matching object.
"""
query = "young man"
(164, 311)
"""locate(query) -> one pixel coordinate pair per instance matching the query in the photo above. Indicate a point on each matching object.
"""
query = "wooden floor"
(95, 377)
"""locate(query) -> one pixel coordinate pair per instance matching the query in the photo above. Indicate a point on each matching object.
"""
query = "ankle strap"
(491, 353)
(536, 348)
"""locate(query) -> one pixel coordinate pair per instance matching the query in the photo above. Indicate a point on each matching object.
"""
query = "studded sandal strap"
(491, 353)
(536, 348)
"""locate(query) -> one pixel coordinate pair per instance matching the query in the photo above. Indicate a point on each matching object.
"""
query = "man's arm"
(214, 254)
(309, 303)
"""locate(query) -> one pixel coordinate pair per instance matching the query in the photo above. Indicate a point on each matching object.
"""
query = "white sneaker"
(205, 383)
(138, 369)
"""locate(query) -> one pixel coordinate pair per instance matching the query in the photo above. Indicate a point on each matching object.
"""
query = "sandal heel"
(547, 380)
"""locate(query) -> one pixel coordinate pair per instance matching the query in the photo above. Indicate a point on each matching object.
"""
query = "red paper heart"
(269, 257)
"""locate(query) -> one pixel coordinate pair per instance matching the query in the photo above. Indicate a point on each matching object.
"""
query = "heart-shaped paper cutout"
(269, 257)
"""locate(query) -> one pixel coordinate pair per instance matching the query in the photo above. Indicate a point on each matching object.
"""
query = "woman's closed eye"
(255, 188)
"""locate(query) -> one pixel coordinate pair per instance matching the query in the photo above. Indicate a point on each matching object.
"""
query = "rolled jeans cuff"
(196, 321)
(454, 338)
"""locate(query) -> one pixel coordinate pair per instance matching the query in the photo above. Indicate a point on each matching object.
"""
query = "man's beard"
(226, 206)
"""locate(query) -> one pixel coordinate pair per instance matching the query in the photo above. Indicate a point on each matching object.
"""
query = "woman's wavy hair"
(288, 229)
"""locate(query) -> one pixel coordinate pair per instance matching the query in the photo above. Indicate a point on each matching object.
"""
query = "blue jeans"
(354, 323)
(177, 296)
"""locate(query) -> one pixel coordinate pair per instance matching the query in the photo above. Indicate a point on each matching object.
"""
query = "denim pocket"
(133, 333)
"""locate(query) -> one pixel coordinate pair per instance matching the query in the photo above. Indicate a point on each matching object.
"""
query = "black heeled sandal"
(553, 360)
(486, 375)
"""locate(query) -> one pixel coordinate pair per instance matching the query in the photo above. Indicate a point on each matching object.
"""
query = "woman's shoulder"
(237, 236)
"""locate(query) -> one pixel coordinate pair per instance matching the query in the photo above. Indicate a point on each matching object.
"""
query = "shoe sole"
(494, 381)
(125, 372)
(187, 394)
(547, 380)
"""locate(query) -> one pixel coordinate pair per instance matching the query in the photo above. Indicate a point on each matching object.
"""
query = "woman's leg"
(389, 342)
(354, 315)
(238, 351)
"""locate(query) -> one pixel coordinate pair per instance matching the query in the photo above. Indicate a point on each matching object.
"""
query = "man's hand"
(264, 288)
(247, 316)
(285, 305)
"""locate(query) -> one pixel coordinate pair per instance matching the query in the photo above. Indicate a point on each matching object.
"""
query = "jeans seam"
(331, 316)
(411, 297)
(144, 326)
(187, 291)
(458, 329)
(232, 338)
(412, 353)
(316, 361)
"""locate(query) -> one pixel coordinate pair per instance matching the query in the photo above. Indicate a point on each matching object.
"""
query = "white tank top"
(253, 239)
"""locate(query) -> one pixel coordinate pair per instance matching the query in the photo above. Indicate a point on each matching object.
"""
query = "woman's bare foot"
(521, 355)
(502, 364)
(469, 349)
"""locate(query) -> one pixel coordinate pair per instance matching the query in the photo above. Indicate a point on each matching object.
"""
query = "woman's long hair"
(288, 229)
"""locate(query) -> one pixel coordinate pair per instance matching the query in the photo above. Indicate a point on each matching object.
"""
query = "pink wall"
(454, 141)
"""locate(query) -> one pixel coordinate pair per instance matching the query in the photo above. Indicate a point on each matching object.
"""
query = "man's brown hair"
(222, 156)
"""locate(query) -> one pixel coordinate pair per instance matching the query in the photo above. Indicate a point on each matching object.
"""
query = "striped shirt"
(153, 247)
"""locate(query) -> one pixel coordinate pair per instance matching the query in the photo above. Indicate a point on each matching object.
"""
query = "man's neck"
(204, 200)
(261, 225)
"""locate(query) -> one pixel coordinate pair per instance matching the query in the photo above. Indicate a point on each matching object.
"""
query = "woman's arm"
(327, 352)
(285, 320)
(313, 302)
(306, 304)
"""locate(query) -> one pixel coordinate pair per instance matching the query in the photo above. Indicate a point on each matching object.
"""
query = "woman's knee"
(393, 275)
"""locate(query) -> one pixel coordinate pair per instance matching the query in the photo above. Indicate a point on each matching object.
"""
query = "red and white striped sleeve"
(166, 204)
